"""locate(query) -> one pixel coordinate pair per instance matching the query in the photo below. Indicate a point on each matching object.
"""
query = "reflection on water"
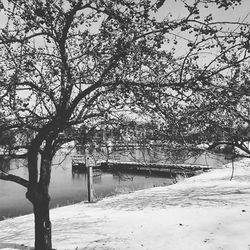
(69, 187)
(4, 164)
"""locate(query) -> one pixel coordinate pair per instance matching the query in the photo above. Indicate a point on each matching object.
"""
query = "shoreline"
(206, 211)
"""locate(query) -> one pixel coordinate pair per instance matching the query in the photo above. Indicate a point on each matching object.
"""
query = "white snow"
(205, 212)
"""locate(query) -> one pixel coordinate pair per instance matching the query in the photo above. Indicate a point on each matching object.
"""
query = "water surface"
(69, 187)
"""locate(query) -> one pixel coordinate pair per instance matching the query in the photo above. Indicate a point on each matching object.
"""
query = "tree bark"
(42, 226)
(38, 194)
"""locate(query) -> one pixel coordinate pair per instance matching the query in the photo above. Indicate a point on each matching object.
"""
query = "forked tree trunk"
(42, 226)
(38, 195)
(38, 190)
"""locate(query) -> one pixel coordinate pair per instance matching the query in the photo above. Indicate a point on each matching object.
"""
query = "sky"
(177, 10)
(239, 13)
(232, 14)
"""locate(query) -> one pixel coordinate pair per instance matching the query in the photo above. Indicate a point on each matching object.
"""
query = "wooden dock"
(151, 168)
(79, 164)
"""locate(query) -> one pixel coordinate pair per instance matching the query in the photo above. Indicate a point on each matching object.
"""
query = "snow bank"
(203, 212)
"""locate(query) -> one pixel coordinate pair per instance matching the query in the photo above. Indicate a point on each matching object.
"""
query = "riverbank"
(203, 212)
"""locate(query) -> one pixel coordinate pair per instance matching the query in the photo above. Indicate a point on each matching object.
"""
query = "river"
(69, 187)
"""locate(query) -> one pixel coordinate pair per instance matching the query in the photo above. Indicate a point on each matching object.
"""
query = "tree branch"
(14, 178)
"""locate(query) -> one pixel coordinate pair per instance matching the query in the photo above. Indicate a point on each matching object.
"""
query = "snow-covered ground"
(203, 212)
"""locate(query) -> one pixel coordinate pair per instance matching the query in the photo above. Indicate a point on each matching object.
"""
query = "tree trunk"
(38, 195)
(38, 190)
(42, 226)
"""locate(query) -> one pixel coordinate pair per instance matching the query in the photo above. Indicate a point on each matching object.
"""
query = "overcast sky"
(176, 8)
(232, 14)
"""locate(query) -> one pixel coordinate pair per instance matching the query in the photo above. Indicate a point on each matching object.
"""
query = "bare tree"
(66, 63)
(203, 96)
(220, 112)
